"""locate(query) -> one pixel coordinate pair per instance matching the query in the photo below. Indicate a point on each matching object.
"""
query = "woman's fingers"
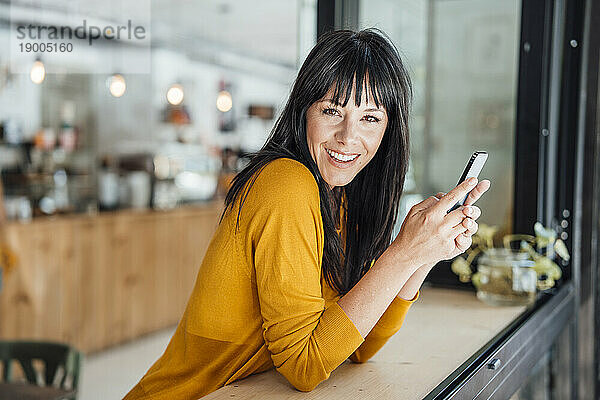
(472, 212)
(463, 233)
(458, 230)
(478, 191)
(470, 225)
(431, 200)
(455, 217)
(429, 221)
(456, 194)
(425, 204)
(463, 242)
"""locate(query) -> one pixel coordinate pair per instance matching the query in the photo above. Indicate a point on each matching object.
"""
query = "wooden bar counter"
(443, 329)
(95, 281)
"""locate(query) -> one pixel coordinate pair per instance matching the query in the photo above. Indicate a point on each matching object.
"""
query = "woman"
(300, 274)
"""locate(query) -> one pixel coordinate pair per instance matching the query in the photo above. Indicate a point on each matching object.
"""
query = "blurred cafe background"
(115, 156)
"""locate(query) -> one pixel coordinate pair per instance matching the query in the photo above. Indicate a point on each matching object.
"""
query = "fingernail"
(468, 210)
(472, 181)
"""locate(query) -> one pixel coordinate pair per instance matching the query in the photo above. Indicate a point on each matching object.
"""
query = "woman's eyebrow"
(367, 110)
(375, 109)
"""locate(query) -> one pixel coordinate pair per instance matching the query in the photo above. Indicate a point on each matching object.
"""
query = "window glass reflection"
(463, 56)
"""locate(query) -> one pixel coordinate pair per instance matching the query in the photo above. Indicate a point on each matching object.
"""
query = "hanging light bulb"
(175, 94)
(38, 72)
(117, 85)
(224, 101)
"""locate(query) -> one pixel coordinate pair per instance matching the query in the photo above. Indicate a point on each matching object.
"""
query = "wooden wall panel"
(98, 281)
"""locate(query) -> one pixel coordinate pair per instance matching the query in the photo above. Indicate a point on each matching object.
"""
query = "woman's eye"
(330, 111)
(371, 118)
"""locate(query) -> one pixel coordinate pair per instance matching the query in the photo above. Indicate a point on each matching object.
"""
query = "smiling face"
(342, 140)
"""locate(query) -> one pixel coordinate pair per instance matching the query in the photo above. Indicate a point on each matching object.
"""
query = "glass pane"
(463, 59)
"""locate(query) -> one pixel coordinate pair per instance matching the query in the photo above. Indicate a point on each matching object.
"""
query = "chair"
(61, 364)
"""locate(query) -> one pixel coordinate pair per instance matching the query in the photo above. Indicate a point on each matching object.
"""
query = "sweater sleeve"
(306, 340)
(389, 323)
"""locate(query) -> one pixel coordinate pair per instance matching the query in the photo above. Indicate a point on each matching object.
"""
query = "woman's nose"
(347, 131)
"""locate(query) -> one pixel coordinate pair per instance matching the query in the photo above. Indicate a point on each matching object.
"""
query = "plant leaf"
(461, 268)
(545, 236)
(561, 249)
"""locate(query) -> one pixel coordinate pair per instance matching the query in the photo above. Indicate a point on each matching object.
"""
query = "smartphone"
(473, 168)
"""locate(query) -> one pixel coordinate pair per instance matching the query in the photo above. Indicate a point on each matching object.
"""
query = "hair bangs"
(359, 71)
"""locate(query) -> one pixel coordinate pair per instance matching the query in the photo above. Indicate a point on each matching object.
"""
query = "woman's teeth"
(341, 157)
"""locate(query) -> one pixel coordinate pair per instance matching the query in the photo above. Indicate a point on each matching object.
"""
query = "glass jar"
(506, 277)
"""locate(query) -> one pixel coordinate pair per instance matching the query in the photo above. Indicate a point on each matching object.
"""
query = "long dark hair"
(339, 60)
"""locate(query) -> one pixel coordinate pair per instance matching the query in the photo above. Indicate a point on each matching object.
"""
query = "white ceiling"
(267, 29)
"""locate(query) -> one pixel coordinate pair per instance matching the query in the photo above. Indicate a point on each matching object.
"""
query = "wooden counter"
(95, 281)
(441, 331)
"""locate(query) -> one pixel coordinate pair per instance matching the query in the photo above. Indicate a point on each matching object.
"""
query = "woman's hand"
(471, 214)
(429, 234)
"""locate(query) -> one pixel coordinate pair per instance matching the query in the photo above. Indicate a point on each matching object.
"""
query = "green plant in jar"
(508, 273)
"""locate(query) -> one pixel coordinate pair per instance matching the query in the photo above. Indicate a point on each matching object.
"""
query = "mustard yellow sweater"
(260, 300)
